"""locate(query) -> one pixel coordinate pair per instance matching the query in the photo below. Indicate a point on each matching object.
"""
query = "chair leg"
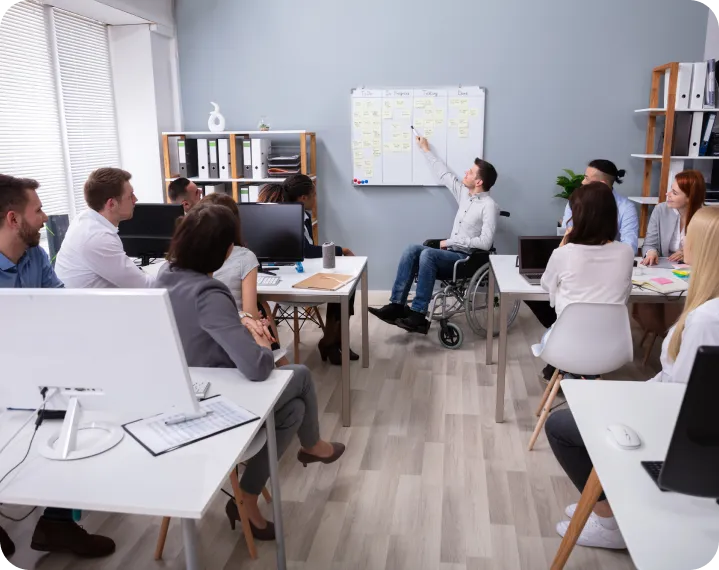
(244, 518)
(590, 495)
(646, 334)
(648, 349)
(319, 318)
(545, 414)
(547, 390)
(266, 495)
(275, 310)
(297, 336)
(164, 527)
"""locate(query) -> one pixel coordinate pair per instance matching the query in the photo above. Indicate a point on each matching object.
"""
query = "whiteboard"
(384, 151)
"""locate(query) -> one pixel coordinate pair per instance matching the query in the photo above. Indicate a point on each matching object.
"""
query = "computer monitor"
(274, 232)
(692, 463)
(104, 350)
(535, 251)
(148, 233)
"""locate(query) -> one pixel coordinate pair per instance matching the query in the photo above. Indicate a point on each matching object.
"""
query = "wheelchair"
(466, 292)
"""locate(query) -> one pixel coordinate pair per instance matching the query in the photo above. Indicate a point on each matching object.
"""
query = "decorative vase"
(216, 122)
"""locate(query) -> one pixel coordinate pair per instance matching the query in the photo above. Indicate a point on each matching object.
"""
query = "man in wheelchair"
(473, 229)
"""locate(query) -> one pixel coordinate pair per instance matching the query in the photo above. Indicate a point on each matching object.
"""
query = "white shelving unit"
(661, 111)
(648, 200)
(659, 157)
(238, 180)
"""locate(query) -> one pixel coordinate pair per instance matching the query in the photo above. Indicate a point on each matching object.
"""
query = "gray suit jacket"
(662, 225)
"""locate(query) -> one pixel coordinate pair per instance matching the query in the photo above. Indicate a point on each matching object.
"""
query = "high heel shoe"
(307, 458)
(267, 533)
(334, 354)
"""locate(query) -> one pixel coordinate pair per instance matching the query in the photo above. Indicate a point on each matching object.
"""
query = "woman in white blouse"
(669, 220)
(697, 326)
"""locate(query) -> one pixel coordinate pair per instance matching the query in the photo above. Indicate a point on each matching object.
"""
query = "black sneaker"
(548, 372)
(415, 323)
(6, 545)
(67, 536)
(390, 313)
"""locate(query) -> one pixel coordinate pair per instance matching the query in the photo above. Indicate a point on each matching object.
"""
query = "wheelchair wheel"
(450, 336)
(477, 305)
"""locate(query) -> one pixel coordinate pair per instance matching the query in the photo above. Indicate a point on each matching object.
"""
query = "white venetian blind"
(30, 136)
(87, 97)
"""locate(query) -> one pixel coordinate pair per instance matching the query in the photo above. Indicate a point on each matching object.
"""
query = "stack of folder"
(281, 166)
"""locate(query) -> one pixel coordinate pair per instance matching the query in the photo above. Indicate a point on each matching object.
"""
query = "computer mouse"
(623, 436)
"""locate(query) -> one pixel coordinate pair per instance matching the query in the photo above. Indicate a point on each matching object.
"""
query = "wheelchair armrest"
(433, 243)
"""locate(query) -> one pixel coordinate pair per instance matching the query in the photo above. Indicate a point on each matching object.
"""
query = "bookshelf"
(668, 163)
(308, 159)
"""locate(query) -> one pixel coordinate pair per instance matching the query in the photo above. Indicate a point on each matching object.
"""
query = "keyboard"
(654, 468)
(267, 280)
(533, 278)
(200, 388)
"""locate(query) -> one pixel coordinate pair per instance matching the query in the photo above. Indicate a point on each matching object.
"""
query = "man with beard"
(23, 263)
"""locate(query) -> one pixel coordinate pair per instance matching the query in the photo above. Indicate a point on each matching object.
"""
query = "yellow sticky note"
(474, 112)
(419, 103)
(368, 104)
(367, 164)
(454, 102)
(366, 131)
(464, 124)
(358, 163)
(464, 112)
(463, 103)
(375, 113)
(453, 123)
(387, 114)
(429, 112)
(439, 113)
(397, 136)
(366, 124)
(357, 104)
(366, 142)
(369, 172)
(377, 152)
(419, 123)
(387, 147)
(359, 154)
(429, 124)
(438, 122)
(366, 114)
(406, 114)
(405, 147)
(405, 136)
(399, 103)
(428, 132)
(388, 103)
(358, 124)
(356, 144)
(357, 116)
(397, 147)
(463, 133)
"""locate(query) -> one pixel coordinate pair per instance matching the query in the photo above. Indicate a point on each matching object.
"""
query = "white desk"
(283, 292)
(128, 479)
(504, 277)
(663, 531)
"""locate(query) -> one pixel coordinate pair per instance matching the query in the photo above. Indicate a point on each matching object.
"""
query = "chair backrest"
(590, 338)
(57, 228)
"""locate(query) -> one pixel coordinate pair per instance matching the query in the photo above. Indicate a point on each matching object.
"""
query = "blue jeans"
(427, 264)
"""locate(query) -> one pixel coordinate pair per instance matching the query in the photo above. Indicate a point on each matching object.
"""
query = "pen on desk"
(183, 419)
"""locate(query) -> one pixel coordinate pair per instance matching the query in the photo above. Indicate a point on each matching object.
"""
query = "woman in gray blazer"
(213, 336)
(669, 220)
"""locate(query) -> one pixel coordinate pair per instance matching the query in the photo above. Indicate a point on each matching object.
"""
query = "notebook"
(663, 285)
(324, 282)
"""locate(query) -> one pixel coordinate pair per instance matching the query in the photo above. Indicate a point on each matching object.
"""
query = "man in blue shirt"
(23, 263)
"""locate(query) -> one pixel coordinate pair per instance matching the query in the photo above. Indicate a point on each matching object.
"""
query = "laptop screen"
(534, 252)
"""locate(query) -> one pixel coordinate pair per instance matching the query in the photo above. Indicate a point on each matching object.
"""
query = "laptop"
(534, 254)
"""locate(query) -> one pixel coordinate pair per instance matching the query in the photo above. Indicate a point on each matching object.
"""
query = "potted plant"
(569, 182)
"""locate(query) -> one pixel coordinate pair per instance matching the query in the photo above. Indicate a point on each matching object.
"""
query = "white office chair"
(254, 448)
(587, 339)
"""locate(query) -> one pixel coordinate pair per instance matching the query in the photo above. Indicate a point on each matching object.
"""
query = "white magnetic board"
(384, 151)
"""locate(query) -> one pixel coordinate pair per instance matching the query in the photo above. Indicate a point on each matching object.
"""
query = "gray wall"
(562, 77)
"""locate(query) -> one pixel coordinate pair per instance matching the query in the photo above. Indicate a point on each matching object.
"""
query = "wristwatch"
(245, 315)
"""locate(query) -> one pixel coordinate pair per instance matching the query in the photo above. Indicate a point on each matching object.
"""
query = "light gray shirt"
(235, 269)
(209, 326)
(663, 226)
(476, 220)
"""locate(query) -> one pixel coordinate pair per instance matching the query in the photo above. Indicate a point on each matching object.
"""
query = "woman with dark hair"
(590, 266)
(270, 194)
(213, 337)
(300, 188)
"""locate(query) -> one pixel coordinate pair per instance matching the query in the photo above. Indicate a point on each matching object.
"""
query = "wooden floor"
(428, 481)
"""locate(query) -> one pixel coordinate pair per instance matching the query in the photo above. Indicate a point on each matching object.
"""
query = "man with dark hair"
(92, 254)
(23, 263)
(185, 192)
(473, 229)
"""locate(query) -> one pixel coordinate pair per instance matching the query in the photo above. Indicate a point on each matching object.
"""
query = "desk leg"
(189, 538)
(346, 412)
(505, 302)
(275, 485)
(592, 491)
(365, 321)
(490, 317)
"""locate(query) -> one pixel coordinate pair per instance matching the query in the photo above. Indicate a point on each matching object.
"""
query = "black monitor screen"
(534, 252)
(149, 232)
(274, 232)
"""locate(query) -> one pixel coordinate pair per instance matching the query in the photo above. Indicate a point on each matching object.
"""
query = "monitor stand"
(267, 270)
(145, 260)
(62, 446)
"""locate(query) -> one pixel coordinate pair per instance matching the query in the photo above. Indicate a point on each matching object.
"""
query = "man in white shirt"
(473, 229)
(92, 255)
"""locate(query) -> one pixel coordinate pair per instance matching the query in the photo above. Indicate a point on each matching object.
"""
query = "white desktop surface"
(663, 530)
(128, 479)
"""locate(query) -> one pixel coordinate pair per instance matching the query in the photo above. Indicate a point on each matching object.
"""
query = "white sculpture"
(216, 122)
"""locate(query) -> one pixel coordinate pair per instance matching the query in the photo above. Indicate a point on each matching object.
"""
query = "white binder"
(684, 85)
(699, 80)
(695, 139)
(203, 162)
(246, 159)
(245, 194)
(223, 151)
(214, 168)
(260, 155)
(254, 194)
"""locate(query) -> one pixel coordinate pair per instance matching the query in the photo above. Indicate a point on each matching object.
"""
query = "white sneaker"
(595, 535)
(569, 511)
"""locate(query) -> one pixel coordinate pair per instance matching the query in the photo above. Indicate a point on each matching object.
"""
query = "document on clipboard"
(157, 437)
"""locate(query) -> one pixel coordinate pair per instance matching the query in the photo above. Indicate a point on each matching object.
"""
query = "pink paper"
(662, 280)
